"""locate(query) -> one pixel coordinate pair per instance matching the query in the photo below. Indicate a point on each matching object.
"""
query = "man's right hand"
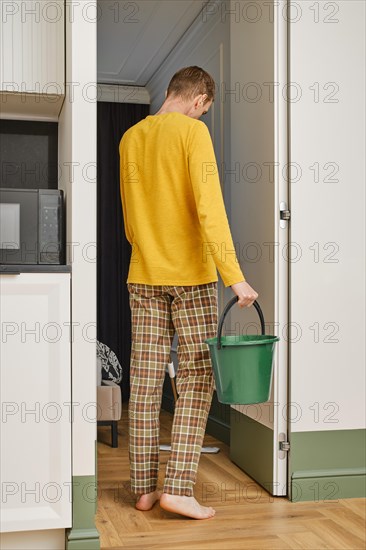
(245, 293)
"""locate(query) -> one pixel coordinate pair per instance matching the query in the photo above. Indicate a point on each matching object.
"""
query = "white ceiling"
(134, 37)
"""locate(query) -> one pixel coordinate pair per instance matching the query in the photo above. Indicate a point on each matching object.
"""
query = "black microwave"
(32, 226)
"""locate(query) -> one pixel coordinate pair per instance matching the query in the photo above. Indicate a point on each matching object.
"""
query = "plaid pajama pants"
(157, 312)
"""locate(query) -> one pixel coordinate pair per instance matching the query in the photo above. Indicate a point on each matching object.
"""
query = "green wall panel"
(327, 465)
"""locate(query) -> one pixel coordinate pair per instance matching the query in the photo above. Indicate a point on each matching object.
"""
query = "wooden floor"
(247, 517)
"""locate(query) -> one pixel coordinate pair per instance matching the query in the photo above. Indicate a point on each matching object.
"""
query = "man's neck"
(173, 106)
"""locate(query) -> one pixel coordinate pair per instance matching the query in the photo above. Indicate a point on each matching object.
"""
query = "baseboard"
(316, 486)
(83, 539)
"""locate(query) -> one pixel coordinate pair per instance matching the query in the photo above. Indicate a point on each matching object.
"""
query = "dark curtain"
(113, 257)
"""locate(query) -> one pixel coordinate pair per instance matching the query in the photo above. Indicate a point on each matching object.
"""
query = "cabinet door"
(35, 435)
(32, 53)
(32, 47)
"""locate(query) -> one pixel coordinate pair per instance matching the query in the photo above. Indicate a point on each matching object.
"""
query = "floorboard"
(247, 517)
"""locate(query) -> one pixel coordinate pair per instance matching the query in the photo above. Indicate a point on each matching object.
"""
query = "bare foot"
(186, 506)
(146, 502)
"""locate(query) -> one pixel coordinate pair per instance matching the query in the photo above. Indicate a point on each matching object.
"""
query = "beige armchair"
(109, 406)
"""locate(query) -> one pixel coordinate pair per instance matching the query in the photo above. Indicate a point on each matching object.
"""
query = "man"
(176, 222)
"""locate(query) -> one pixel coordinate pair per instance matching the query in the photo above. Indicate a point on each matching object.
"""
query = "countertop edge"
(9, 269)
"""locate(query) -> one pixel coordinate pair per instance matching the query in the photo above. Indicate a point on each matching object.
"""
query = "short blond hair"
(189, 82)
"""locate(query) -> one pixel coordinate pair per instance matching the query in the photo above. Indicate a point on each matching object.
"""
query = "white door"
(258, 185)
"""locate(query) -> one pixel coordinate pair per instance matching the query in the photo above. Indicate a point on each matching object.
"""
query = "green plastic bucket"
(242, 365)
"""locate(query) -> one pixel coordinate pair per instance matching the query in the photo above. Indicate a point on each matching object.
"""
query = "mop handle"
(171, 369)
(224, 313)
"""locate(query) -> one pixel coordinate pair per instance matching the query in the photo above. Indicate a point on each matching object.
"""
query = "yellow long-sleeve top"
(173, 209)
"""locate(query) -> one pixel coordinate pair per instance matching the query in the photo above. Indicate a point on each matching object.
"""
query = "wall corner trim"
(83, 535)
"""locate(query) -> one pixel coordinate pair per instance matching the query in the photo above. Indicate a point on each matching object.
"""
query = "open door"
(259, 188)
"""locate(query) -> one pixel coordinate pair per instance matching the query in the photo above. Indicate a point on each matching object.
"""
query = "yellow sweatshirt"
(173, 209)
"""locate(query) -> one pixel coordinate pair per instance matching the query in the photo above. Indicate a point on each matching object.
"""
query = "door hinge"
(285, 215)
(284, 445)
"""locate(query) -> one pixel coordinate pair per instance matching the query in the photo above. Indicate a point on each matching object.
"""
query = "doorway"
(248, 126)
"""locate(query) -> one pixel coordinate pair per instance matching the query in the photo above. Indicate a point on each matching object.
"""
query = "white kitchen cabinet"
(32, 50)
(35, 435)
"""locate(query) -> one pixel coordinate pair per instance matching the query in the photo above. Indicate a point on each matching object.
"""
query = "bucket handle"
(224, 313)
